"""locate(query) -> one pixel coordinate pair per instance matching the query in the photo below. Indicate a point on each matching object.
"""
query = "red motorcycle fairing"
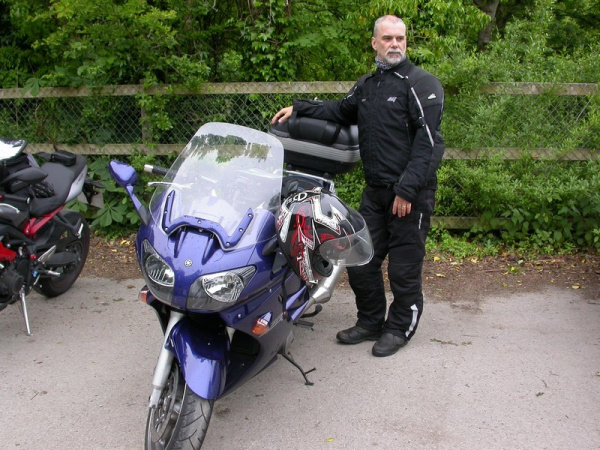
(6, 254)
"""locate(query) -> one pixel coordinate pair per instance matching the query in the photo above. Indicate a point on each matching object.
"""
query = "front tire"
(180, 421)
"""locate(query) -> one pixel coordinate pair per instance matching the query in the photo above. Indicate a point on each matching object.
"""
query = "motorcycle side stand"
(307, 382)
(24, 311)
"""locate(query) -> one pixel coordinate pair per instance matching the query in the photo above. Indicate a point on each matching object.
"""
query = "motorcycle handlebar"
(14, 198)
(155, 170)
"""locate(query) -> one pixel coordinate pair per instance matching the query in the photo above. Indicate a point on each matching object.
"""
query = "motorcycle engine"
(12, 278)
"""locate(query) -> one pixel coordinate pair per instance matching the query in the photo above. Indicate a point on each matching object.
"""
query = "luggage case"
(318, 146)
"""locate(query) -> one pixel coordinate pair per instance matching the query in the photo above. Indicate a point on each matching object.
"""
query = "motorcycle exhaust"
(323, 290)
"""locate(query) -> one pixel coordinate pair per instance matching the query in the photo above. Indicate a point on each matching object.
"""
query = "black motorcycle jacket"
(398, 113)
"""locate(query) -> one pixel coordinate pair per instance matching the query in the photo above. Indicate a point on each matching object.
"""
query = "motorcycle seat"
(61, 178)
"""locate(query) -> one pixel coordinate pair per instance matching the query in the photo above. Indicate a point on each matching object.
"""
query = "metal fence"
(549, 121)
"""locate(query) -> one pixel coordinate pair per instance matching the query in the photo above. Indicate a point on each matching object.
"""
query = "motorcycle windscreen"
(224, 175)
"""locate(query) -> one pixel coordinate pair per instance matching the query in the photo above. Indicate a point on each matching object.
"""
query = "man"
(398, 110)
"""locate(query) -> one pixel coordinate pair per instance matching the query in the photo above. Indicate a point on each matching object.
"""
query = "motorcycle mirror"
(126, 177)
(122, 173)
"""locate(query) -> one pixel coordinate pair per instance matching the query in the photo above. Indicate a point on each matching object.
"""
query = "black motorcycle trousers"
(402, 240)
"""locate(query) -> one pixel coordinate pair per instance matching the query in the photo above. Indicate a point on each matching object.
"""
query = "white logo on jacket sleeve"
(392, 99)
(431, 97)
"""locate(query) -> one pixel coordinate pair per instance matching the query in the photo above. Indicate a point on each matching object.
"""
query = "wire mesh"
(554, 123)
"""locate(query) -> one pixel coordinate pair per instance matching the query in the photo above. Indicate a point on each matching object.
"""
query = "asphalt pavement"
(521, 372)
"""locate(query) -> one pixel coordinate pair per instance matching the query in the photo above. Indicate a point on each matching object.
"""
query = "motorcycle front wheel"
(180, 421)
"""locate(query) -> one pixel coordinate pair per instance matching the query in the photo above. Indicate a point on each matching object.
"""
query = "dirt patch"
(472, 279)
(443, 279)
(112, 258)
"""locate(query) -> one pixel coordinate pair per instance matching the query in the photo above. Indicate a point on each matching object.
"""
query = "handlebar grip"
(14, 198)
(155, 170)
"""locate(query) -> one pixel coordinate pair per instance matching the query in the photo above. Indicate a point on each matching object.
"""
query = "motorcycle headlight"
(158, 274)
(217, 291)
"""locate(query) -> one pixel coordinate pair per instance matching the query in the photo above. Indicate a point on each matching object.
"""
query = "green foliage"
(100, 42)
(103, 42)
(349, 186)
(435, 28)
(541, 204)
(117, 217)
(460, 245)
(530, 48)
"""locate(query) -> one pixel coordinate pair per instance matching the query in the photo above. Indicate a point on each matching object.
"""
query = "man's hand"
(283, 115)
(401, 207)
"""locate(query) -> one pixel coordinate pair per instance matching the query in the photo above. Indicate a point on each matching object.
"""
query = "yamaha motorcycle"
(216, 275)
(42, 246)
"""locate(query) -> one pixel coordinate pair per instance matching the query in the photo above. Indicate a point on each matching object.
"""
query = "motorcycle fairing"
(227, 241)
(203, 356)
(208, 364)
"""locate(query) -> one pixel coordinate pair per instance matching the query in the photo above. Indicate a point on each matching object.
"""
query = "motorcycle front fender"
(203, 356)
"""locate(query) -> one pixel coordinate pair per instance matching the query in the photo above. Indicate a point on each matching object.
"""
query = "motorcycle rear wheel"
(180, 421)
(54, 286)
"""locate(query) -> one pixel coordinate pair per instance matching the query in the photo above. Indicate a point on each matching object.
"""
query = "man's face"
(390, 42)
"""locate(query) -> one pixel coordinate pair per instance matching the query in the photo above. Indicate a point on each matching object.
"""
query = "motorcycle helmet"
(315, 230)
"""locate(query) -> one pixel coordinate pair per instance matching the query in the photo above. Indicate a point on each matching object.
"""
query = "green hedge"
(544, 205)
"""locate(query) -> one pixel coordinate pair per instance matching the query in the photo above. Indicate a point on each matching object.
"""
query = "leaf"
(32, 85)
(440, 275)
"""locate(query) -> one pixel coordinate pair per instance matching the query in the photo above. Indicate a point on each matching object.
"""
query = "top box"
(316, 146)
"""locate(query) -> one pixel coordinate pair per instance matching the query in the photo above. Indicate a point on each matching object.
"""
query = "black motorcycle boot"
(356, 335)
(388, 344)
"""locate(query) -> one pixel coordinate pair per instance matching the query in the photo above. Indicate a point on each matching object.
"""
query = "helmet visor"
(355, 249)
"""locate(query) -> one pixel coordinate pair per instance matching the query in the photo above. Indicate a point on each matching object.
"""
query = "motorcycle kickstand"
(297, 366)
(24, 311)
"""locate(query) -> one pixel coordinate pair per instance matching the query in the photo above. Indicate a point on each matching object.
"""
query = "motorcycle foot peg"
(305, 324)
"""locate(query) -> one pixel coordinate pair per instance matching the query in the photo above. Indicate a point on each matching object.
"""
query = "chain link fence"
(555, 124)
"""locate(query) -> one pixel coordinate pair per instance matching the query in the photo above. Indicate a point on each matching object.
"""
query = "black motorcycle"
(42, 246)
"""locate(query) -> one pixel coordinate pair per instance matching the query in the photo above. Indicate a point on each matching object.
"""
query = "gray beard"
(387, 66)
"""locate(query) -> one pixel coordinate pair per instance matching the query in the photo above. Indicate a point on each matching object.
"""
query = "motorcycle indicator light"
(143, 295)
(262, 325)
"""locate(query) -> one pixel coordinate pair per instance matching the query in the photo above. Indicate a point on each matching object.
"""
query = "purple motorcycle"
(235, 252)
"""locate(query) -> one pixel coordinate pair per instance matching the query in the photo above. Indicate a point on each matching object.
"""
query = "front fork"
(163, 365)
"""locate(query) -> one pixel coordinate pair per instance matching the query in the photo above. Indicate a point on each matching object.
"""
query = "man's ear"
(373, 41)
